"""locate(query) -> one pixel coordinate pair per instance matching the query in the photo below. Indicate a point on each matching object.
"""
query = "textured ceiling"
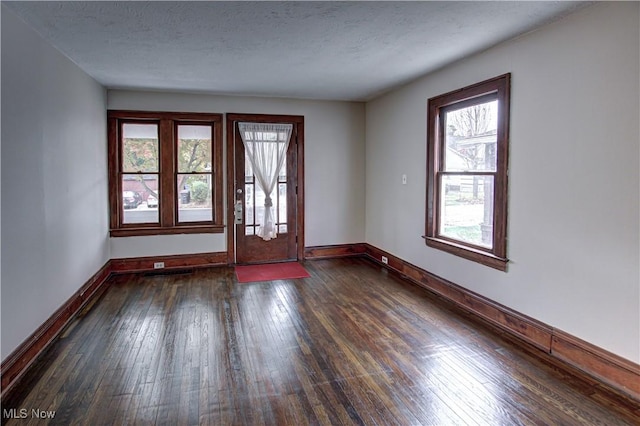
(317, 50)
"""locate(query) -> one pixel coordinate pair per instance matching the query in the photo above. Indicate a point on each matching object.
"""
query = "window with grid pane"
(194, 177)
(165, 173)
(139, 170)
(467, 172)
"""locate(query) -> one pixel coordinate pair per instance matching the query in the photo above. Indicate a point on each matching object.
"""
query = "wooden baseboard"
(605, 366)
(610, 369)
(525, 328)
(15, 365)
(339, 250)
(180, 261)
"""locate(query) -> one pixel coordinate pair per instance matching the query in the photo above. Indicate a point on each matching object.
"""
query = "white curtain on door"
(265, 147)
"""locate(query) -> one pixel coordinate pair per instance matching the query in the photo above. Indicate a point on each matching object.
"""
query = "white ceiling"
(317, 50)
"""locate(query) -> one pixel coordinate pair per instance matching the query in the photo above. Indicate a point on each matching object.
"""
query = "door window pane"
(282, 206)
(258, 199)
(466, 209)
(249, 205)
(248, 169)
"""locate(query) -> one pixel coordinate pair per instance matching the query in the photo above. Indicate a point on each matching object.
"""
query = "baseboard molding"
(612, 370)
(525, 328)
(605, 366)
(332, 251)
(180, 261)
(17, 363)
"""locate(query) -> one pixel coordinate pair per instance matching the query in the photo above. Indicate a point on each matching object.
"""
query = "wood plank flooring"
(350, 345)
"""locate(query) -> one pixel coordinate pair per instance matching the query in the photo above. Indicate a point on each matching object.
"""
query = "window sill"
(484, 258)
(196, 229)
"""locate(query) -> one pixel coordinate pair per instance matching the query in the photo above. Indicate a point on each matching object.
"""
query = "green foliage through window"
(200, 192)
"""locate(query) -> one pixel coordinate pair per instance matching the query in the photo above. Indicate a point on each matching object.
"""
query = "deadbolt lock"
(237, 211)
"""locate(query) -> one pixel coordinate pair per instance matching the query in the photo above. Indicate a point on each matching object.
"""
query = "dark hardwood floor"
(350, 345)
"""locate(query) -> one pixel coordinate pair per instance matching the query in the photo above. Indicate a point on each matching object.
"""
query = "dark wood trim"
(607, 368)
(164, 115)
(14, 366)
(179, 261)
(112, 161)
(218, 174)
(300, 187)
(332, 251)
(231, 161)
(231, 118)
(468, 253)
(167, 205)
(613, 370)
(182, 229)
(526, 328)
(498, 88)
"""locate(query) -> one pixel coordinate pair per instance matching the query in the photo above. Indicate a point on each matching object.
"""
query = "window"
(467, 146)
(165, 173)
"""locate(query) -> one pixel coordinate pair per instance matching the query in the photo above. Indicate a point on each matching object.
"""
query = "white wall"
(54, 180)
(334, 167)
(574, 181)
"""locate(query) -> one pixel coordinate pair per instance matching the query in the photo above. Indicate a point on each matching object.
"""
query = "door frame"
(298, 121)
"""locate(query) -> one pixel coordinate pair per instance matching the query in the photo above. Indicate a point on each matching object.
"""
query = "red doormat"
(271, 271)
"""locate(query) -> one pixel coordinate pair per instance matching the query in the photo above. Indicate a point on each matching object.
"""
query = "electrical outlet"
(158, 265)
(385, 260)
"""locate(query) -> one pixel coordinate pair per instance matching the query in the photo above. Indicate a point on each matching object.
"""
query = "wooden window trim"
(215, 167)
(168, 214)
(496, 257)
